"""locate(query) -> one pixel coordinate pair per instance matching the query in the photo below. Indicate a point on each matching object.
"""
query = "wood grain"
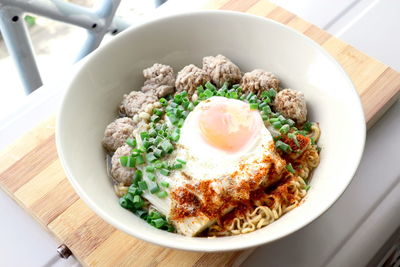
(31, 174)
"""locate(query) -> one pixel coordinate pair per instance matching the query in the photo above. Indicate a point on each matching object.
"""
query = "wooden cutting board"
(30, 171)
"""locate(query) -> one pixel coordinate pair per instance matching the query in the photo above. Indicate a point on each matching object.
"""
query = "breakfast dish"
(211, 151)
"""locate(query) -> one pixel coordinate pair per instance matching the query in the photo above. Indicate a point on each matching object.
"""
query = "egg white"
(205, 162)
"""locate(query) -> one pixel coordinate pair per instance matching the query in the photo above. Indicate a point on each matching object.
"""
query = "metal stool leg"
(19, 46)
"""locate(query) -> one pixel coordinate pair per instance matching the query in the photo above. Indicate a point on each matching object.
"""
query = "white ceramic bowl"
(94, 93)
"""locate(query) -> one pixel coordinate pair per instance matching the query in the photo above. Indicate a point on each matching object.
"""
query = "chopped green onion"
(313, 141)
(155, 215)
(127, 161)
(184, 93)
(302, 132)
(264, 94)
(200, 89)
(161, 132)
(175, 136)
(166, 146)
(158, 112)
(146, 144)
(162, 194)
(131, 142)
(158, 165)
(125, 203)
(138, 202)
(253, 106)
(283, 146)
(150, 168)
(263, 104)
(151, 176)
(307, 187)
(154, 188)
(141, 214)
(195, 103)
(307, 126)
(210, 86)
(142, 185)
(144, 135)
(158, 140)
(158, 153)
(289, 167)
(163, 101)
(158, 223)
(282, 119)
(155, 118)
(272, 93)
(284, 129)
(267, 100)
(266, 110)
(152, 133)
(135, 152)
(164, 172)
(180, 123)
(180, 109)
(150, 157)
(134, 190)
(177, 166)
(185, 114)
(277, 125)
(253, 99)
(220, 92)
(265, 117)
(174, 119)
(233, 95)
(178, 99)
(249, 96)
(185, 103)
(272, 120)
(139, 159)
(137, 177)
(294, 138)
(181, 161)
(131, 162)
(208, 93)
(123, 160)
(190, 107)
(224, 86)
(136, 199)
(165, 184)
(290, 122)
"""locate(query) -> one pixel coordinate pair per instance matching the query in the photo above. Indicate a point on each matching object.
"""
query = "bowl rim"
(201, 245)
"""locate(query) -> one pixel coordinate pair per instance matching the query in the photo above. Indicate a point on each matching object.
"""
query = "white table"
(348, 234)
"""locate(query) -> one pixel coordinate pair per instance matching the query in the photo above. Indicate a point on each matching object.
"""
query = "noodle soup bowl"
(251, 42)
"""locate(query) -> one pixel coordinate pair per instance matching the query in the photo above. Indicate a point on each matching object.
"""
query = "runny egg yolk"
(228, 124)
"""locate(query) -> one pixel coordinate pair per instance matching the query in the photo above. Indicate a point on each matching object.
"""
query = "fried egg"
(218, 137)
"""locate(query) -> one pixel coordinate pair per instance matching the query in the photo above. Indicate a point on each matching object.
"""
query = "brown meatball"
(119, 173)
(257, 81)
(117, 132)
(160, 80)
(221, 70)
(291, 104)
(189, 78)
(135, 102)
